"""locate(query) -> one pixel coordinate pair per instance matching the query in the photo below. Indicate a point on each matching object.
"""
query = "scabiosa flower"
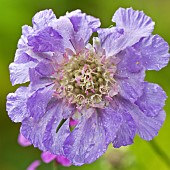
(100, 86)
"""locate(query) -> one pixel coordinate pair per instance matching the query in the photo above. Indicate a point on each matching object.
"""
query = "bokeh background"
(140, 156)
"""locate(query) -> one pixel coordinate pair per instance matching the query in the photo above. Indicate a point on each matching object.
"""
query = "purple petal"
(16, 104)
(45, 69)
(22, 141)
(41, 76)
(19, 73)
(111, 120)
(33, 130)
(81, 148)
(65, 28)
(130, 61)
(77, 18)
(154, 51)
(46, 40)
(118, 123)
(63, 161)
(38, 81)
(34, 165)
(43, 18)
(127, 129)
(94, 23)
(84, 26)
(111, 40)
(24, 58)
(47, 157)
(131, 26)
(130, 75)
(90, 138)
(134, 22)
(40, 21)
(147, 127)
(26, 31)
(53, 140)
(76, 29)
(42, 132)
(23, 53)
(37, 103)
(152, 100)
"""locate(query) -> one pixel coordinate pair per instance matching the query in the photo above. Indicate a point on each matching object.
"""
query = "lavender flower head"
(101, 86)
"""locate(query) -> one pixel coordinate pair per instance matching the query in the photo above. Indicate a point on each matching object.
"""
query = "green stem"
(160, 152)
(54, 166)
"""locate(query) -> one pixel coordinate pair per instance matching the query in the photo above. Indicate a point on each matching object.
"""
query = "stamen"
(86, 79)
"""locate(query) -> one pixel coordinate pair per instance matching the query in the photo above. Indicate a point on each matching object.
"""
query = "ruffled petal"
(90, 138)
(45, 69)
(135, 23)
(42, 132)
(147, 126)
(16, 104)
(65, 28)
(37, 80)
(131, 26)
(46, 40)
(154, 52)
(130, 75)
(130, 61)
(77, 18)
(40, 22)
(58, 129)
(26, 31)
(152, 100)
(119, 125)
(33, 130)
(23, 58)
(84, 26)
(126, 131)
(111, 40)
(94, 23)
(19, 73)
(111, 120)
(23, 54)
(81, 148)
(43, 18)
(37, 103)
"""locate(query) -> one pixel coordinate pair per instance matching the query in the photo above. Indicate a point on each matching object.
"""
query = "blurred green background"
(14, 14)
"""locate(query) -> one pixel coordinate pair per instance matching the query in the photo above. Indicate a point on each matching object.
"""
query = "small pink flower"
(34, 165)
(47, 157)
(63, 161)
(22, 141)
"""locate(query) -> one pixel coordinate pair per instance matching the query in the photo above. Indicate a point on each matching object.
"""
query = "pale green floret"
(86, 80)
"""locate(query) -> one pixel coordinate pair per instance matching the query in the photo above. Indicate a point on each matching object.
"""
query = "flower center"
(87, 79)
